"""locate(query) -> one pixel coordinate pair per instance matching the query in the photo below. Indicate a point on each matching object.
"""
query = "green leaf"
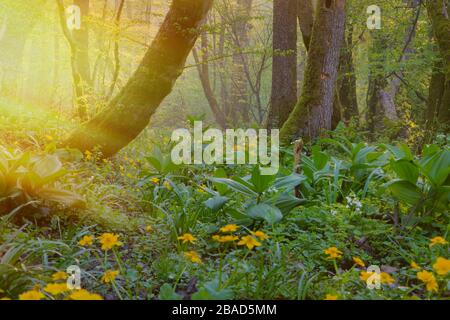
(166, 292)
(287, 202)
(216, 203)
(320, 158)
(406, 170)
(236, 186)
(261, 182)
(212, 291)
(266, 212)
(64, 197)
(288, 183)
(47, 165)
(405, 191)
(436, 167)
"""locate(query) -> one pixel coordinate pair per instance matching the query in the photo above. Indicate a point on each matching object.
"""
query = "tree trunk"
(439, 11)
(239, 90)
(130, 111)
(81, 38)
(313, 112)
(346, 102)
(305, 12)
(284, 63)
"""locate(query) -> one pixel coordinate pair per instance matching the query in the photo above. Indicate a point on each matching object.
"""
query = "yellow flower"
(442, 266)
(109, 240)
(187, 237)
(155, 180)
(49, 137)
(359, 262)
(437, 240)
(249, 241)
(386, 278)
(86, 241)
(56, 288)
(223, 239)
(5, 298)
(193, 256)
(415, 266)
(88, 155)
(84, 295)
(202, 189)
(149, 228)
(110, 276)
(60, 275)
(32, 295)
(429, 279)
(364, 275)
(333, 253)
(167, 185)
(229, 228)
(331, 297)
(261, 235)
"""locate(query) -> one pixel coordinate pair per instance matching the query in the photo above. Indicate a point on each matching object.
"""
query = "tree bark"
(346, 102)
(130, 111)
(239, 90)
(305, 13)
(439, 11)
(284, 62)
(313, 112)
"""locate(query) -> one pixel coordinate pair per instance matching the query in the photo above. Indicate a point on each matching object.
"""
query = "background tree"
(130, 111)
(313, 112)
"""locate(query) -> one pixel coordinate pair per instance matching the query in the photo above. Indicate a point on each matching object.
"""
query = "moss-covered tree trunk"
(130, 111)
(439, 12)
(313, 112)
(305, 13)
(284, 62)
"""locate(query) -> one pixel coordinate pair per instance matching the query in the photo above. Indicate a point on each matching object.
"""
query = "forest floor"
(139, 227)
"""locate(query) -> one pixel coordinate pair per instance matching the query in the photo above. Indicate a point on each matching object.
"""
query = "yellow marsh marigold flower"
(110, 276)
(429, 279)
(167, 185)
(187, 237)
(56, 288)
(331, 297)
(386, 278)
(216, 237)
(149, 228)
(415, 266)
(261, 235)
(31, 295)
(84, 295)
(442, 266)
(155, 180)
(359, 262)
(333, 253)
(364, 275)
(109, 240)
(223, 239)
(229, 228)
(437, 240)
(60, 275)
(88, 155)
(193, 256)
(249, 241)
(86, 241)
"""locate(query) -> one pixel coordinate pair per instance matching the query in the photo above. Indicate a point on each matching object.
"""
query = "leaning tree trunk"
(284, 63)
(313, 112)
(130, 111)
(439, 12)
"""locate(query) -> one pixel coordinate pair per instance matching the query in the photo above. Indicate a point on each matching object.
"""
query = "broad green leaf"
(266, 212)
(47, 165)
(236, 186)
(405, 170)
(289, 182)
(261, 182)
(216, 203)
(436, 167)
(405, 191)
(166, 292)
